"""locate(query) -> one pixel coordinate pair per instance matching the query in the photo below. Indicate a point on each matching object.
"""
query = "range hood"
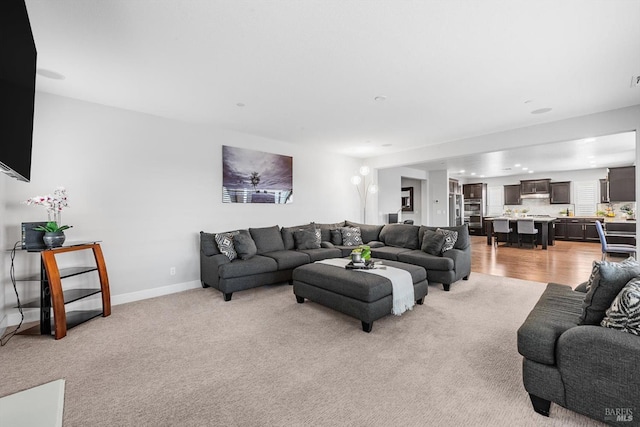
(535, 196)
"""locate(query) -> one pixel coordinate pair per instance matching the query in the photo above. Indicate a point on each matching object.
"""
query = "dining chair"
(501, 228)
(613, 248)
(526, 227)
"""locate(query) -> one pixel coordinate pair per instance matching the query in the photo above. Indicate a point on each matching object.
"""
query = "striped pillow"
(624, 313)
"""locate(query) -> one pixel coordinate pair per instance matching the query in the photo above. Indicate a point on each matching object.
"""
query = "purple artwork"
(250, 176)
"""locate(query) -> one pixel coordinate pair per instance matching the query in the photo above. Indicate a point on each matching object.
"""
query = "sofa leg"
(420, 301)
(540, 405)
(291, 282)
(299, 299)
(367, 326)
(227, 297)
(446, 286)
(466, 277)
(204, 285)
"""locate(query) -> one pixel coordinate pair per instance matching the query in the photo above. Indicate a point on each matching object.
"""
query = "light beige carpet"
(264, 360)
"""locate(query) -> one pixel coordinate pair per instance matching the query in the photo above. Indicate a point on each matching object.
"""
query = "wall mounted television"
(17, 89)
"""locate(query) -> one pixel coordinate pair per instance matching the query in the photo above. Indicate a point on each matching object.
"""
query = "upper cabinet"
(473, 191)
(535, 186)
(622, 184)
(560, 192)
(512, 195)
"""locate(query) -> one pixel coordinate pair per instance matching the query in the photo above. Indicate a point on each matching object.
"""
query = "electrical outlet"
(635, 81)
(172, 271)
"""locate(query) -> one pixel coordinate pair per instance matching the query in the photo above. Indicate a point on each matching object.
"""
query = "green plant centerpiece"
(53, 233)
(364, 251)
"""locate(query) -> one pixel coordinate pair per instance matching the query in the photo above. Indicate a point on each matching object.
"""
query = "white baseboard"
(13, 318)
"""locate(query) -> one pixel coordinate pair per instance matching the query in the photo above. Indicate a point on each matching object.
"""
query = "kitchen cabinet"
(577, 229)
(512, 195)
(534, 186)
(560, 192)
(473, 191)
(604, 191)
(622, 184)
(560, 229)
(454, 186)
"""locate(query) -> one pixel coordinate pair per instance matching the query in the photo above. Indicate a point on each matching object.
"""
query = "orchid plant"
(53, 203)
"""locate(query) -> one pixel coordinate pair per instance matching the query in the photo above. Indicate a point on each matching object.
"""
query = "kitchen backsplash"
(543, 207)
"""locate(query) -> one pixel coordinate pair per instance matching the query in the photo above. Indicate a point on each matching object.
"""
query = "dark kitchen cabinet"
(512, 195)
(590, 231)
(622, 184)
(534, 186)
(560, 192)
(574, 229)
(578, 229)
(473, 191)
(604, 191)
(560, 226)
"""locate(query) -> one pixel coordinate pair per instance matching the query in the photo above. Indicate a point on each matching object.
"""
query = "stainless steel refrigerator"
(456, 207)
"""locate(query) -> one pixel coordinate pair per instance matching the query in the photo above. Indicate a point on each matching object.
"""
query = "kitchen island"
(544, 224)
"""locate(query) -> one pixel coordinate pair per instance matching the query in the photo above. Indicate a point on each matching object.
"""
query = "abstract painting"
(250, 176)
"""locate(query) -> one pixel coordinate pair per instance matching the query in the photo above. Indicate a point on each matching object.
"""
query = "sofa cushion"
(557, 311)
(288, 259)
(287, 234)
(268, 239)
(432, 242)
(336, 237)
(241, 268)
(307, 239)
(351, 236)
(244, 244)
(463, 241)
(388, 252)
(225, 244)
(450, 238)
(624, 313)
(400, 235)
(208, 245)
(607, 284)
(428, 261)
(322, 253)
(368, 232)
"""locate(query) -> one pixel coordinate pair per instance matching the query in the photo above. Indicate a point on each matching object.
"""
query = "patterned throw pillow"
(624, 313)
(225, 244)
(450, 238)
(351, 236)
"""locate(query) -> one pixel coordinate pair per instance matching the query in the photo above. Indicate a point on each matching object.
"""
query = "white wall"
(146, 186)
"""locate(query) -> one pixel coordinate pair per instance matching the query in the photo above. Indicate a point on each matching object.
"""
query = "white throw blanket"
(401, 282)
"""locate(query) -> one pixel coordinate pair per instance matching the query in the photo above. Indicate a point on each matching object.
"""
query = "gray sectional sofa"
(269, 255)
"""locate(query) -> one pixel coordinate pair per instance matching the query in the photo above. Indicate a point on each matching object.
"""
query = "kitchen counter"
(544, 224)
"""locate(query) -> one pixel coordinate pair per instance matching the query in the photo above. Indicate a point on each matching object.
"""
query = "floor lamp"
(365, 189)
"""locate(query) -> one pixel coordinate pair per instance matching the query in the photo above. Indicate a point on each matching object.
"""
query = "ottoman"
(365, 296)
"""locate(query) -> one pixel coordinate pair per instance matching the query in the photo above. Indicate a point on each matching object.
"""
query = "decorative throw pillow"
(624, 313)
(595, 270)
(268, 239)
(307, 239)
(244, 245)
(450, 238)
(336, 237)
(607, 284)
(351, 236)
(225, 244)
(432, 242)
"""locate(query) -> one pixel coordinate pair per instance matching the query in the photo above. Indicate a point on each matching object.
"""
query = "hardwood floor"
(566, 262)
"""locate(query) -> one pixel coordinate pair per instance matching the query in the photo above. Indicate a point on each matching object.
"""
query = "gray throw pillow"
(624, 313)
(225, 244)
(351, 236)
(268, 239)
(244, 245)
(307, 239)
(208, 245)
(433, 242)
(607, 284)
(450, 238)
(336, 237)
(287, 234)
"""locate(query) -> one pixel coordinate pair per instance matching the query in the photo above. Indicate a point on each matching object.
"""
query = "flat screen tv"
(17, 89)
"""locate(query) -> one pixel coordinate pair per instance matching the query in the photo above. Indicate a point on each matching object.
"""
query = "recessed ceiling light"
(380, 98)
(530, 171)
(517, 165)
(473, 173)
(541, 110)
(462, 171)
(240, 104)
(387, 145)
(528, 101)
(50, 74)
(589, 140)
(482, 176)
(524, 169)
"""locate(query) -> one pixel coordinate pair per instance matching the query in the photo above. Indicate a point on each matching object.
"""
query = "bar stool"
(527, 228)
(501, 228)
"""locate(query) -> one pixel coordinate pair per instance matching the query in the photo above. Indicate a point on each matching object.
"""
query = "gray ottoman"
(365, 296)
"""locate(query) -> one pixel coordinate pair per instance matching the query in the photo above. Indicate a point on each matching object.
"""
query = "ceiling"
(363, 78)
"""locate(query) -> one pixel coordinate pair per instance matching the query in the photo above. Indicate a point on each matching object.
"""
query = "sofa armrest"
(461, 260)
(602, 364)
(209, 265)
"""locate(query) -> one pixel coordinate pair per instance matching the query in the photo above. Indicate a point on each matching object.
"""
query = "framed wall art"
(250, 176)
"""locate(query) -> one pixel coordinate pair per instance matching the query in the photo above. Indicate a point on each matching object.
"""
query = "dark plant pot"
(53, 240)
